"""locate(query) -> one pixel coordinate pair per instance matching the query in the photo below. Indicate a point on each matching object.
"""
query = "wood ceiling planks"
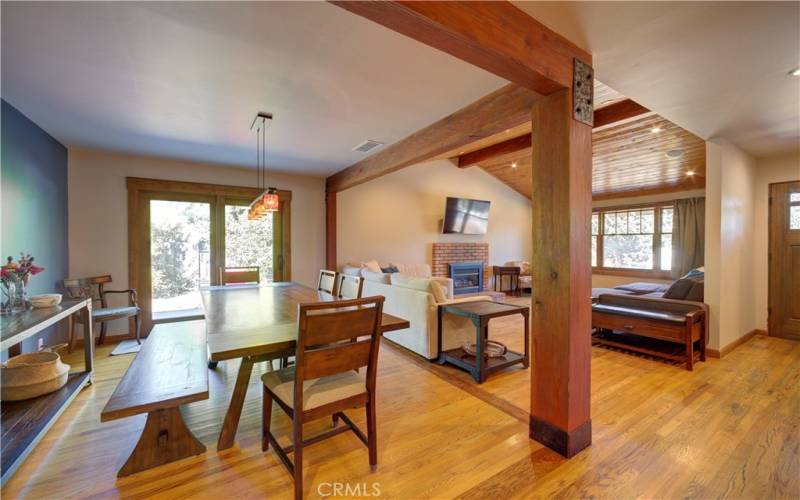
(627, 160)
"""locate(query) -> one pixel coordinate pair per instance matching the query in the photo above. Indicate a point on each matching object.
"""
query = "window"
(794, 211)
(638, 239)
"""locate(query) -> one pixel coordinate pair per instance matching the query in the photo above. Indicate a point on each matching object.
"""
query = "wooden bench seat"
(170, 370)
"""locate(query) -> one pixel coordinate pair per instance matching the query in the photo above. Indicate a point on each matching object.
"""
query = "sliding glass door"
(250, 243)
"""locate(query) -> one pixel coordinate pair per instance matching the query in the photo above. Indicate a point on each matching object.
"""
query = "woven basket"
(31, 375)
(493, 349)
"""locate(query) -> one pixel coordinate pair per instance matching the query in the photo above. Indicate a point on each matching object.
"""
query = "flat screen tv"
(464, 216)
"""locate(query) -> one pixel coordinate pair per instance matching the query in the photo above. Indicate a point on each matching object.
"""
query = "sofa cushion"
(375, 277)
(373, 266)
(639, 313)
(418, 270)
(642, 287)
(413, 282)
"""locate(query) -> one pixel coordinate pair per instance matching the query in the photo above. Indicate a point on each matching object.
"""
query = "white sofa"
(416, 299)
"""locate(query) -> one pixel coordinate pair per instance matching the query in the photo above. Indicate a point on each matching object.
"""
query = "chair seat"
(316, 392)
(114, 312)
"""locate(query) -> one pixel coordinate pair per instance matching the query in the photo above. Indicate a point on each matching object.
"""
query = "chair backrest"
(327, 281)
(322, 328)
(84, 288)
(239, 275)
(349, 287)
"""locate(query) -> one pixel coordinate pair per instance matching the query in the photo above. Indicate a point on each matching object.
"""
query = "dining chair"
(239, 275)
(327, 281)
(323, 382)
(349, 287)
(84, 288)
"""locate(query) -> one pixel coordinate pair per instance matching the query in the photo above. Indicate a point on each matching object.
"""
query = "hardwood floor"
(729, 429)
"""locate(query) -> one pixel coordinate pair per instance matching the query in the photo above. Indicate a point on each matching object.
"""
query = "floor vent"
(367, 146)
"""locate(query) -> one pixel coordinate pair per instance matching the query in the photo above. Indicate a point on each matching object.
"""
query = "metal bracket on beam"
(583, 92)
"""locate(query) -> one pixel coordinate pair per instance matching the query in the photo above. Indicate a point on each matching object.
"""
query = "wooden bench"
(170, 370)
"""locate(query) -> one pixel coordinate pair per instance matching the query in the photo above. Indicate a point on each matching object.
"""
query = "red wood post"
(562, 199)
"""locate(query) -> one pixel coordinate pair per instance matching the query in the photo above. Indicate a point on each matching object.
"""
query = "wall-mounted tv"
(464, 216)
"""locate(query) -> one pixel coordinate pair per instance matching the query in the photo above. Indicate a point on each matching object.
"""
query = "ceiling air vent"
(367, 146)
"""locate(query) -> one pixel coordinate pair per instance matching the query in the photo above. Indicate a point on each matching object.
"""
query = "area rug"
(126, 347)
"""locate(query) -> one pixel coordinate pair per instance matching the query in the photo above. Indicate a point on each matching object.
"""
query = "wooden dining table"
(257, 323)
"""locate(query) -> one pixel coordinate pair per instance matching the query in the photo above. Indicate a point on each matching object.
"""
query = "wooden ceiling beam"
(607, 115)
(503, 109)
(617, 112)
(495, 36)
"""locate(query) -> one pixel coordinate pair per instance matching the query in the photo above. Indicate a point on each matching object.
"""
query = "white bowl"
(46, 300)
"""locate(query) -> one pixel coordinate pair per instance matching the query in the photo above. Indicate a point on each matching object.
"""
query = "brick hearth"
(446, 253)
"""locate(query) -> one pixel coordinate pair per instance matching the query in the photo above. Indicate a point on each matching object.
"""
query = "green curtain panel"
(688, 235)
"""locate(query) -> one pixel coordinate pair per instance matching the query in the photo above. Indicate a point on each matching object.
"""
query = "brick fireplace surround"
(446, 253)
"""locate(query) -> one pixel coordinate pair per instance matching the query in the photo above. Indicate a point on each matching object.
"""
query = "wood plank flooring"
(730, 429)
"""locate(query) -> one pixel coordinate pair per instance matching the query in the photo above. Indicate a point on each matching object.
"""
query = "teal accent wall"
(33, 195)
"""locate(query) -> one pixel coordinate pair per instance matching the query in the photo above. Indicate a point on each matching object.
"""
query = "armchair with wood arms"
(84, 288)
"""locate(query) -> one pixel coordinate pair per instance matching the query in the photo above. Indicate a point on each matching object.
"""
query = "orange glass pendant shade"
(270, 200)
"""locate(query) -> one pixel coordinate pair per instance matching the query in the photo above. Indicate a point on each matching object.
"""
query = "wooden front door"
(784, 260)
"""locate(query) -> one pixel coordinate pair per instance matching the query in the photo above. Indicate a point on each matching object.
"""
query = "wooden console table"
(480, 313)
(24, 423)
(513, 276)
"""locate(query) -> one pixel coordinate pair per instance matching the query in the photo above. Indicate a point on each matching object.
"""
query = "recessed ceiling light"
(514, 165)
(674, 153)
(690, 173)
(508, 130)
(655, 130)
(795, 72)
(461, 152)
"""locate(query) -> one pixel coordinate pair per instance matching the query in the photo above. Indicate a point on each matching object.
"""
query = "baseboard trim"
(566, 443)
(721, 353)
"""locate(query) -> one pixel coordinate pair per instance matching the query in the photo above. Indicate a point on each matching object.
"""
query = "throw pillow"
(697, 293)
(680, 289)
(439, 293)
(696, 273)
(351, 270)
(373, 266)
(390, 269)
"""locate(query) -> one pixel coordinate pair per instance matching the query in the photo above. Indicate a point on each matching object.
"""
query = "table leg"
(88, 339)
(228, 433)
(526, 360)
(480, 331)
(441, 333)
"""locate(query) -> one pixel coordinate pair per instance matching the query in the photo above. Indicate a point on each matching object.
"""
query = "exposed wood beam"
(607, 115)
(495, 36)
(499, 149)
(618, 111)
(505, 108)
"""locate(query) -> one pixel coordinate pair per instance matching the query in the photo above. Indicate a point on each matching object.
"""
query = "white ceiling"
(185, 80)
(717, 69)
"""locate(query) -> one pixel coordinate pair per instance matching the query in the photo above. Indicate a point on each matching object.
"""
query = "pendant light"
(268, 201)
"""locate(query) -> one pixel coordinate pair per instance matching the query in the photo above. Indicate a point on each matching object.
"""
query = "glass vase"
(14, 299)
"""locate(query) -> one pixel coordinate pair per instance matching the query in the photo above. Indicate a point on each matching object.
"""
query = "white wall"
(98, 210)
(397, 217)
(729, 284)
(768, 170)
(610, 281)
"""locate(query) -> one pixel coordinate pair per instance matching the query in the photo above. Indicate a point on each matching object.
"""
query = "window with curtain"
(635, 239)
